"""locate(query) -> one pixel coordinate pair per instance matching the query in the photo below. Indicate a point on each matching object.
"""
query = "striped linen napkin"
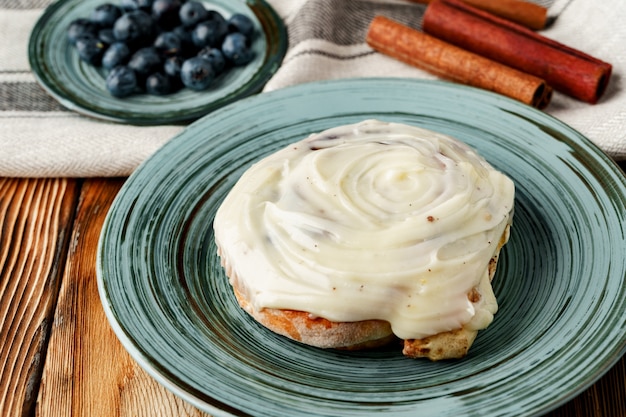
(39, 138)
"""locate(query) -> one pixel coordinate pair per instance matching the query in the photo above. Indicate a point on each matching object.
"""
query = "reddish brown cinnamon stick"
(525, 13)
(448, 61)
(566, 69)
(528, 14)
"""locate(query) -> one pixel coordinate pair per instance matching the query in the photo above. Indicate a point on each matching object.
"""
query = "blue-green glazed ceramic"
(560, 283)
(81, 87)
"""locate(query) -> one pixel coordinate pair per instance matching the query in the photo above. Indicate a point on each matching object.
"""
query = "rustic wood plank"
(87, 371)
(35, 222)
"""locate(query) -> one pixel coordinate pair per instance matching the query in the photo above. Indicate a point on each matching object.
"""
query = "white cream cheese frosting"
(369, 221)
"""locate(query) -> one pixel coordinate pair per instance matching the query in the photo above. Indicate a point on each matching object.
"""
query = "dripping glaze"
(368, 221)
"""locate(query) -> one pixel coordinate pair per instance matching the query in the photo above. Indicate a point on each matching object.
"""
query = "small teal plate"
(81, 87)
(560, 283)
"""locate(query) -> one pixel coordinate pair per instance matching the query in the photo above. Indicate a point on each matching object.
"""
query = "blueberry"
(145, 61)
(145, 5)
(79, 28)
(241, 23)
(158, 84)
(209, 33)
(236, 49)
(106, 35)
(215, 57)
(116, 54)
(197, 73)
(215, 16)
(129, 5)
(105, 15)
(184, 34)
(133, 26)
(168, 44)
(121, 81)
(172, 66)
(165, 12)
(192, 12)
(90, 49)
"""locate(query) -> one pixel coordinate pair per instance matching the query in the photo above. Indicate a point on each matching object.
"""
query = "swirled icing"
(369, 221)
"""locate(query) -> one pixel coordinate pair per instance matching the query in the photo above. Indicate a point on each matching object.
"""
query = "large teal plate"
(81, 87)
(561, 281)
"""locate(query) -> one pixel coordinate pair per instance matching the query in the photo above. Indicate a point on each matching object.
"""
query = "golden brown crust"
(316, 331)
(447, 345)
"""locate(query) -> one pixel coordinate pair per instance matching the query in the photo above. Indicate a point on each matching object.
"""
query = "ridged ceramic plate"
(81, 87)
(560, 282)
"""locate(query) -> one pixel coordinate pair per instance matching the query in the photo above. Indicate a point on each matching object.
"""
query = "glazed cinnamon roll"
(368, 233)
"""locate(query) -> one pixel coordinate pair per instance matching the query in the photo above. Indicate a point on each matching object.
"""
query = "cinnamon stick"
(528, 14)
(450, 62)
(567, 70)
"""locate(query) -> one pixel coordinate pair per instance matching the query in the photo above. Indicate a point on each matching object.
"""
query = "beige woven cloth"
(39, 138)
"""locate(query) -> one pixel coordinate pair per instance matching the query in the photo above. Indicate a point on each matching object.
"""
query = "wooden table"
(60, 357)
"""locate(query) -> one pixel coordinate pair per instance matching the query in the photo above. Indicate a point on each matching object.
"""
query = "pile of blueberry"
(161, 46)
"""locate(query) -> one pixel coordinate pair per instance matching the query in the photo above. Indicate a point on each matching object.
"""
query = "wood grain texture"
(87, 371)
(35, 222)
